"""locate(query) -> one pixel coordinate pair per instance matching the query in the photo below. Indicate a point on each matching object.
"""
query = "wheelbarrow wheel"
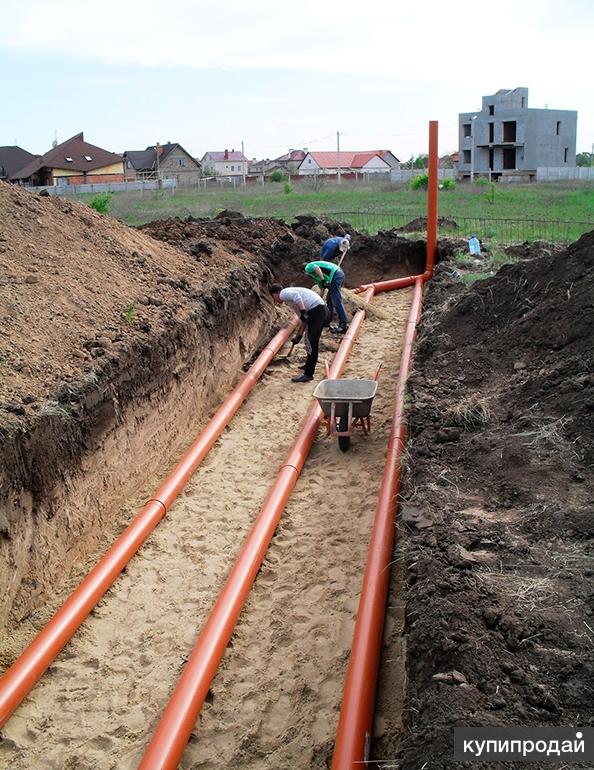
(344, 442)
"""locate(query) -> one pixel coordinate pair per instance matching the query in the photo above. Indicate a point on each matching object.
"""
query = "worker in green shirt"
(329, 275)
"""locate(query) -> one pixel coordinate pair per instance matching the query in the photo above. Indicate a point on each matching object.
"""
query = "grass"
(375, 207)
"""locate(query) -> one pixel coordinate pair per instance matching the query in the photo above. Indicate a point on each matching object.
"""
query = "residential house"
(356, 163)
(72, 162)
(390, 158)
(163, 161)
(13, 159)
(506, 138)
(227, 163)
(291, 160)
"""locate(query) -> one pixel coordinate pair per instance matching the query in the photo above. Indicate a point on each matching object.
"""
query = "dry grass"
(469, 412)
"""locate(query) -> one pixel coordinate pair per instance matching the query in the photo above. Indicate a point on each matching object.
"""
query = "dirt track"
(274, 703)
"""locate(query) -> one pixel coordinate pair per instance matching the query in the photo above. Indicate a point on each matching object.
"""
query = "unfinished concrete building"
(507, 139)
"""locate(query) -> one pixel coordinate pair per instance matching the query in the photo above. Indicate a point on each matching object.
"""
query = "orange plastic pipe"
(432, 197)
(22, 676)
(356, 716)
(173, 731)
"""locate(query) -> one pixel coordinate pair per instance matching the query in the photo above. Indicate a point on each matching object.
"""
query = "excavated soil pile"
(82, 297)
(500, 502)
(286, 249)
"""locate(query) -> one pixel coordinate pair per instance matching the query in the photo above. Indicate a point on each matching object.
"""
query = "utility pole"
(242, 166)
(338, 155)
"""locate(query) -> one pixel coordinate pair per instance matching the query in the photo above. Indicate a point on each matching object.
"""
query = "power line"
(289, 144)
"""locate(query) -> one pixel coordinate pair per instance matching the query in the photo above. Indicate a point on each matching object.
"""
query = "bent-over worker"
(329, 275)
(334, 247)
(311, 309)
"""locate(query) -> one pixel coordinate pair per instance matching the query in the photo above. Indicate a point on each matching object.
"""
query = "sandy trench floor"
(275, 701)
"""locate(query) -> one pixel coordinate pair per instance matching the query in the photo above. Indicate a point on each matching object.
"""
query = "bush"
(278, 176)
(480, 181)
(447, 184)
(287, 188)
(101, 202)
(420, 182)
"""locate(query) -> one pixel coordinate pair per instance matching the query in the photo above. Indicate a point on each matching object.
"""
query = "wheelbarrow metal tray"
(359, 393)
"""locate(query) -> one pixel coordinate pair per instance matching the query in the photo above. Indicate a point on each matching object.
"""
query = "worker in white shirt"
(312, 312)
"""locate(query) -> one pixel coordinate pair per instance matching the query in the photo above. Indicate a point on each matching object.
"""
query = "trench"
(113, 679)
(274, 703)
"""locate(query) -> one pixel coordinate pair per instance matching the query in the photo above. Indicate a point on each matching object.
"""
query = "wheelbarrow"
(346, 404)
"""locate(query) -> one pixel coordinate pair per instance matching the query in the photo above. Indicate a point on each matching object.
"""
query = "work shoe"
(338, 329)
(301, 378)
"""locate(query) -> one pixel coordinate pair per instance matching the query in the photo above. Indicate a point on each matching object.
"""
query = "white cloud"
(510, 44)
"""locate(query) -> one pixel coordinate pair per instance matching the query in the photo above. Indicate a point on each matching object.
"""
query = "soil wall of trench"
(99, 439)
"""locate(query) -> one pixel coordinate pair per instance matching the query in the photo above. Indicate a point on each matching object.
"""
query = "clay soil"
(498, 516)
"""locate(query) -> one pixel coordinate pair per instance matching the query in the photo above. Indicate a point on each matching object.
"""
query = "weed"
(287, 189)
(129, 314)
(101, 202)
(420, 182)
(447, 184)
(480, 181)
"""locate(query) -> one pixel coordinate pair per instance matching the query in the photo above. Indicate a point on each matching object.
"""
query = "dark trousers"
(315, 324)
(334, 299)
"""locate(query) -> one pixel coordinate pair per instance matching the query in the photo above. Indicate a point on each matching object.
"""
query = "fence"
(503, 231)
(78, 189)
(545, 174)
(406, 174)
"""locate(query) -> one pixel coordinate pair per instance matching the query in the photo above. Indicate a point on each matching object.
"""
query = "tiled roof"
(13, 159)
(75, 154)
(329, 159)
(220, 156)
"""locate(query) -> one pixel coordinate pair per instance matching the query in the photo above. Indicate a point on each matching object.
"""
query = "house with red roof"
(226, 163)
(369, 162)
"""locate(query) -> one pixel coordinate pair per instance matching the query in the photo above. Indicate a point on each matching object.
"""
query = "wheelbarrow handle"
(377, 370)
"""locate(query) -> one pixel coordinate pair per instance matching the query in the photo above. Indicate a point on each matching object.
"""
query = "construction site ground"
(116, 345)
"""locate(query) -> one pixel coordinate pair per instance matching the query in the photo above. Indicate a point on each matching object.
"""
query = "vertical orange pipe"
(432, 197)
(173, 731)
(356, 716)
(22, 676)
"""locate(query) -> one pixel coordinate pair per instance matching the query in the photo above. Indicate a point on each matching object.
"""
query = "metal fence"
(501, 230)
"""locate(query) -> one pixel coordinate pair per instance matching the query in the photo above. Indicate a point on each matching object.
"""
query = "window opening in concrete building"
(509, 130)
(558, 127)
(565, 154)
(523, 104)
(491, 157)
(491, 109)
(491, 132)
(467, 129)
(466, 156)
(509, 158)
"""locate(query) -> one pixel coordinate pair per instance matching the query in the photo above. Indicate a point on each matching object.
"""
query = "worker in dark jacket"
(329, 275)
(335, 247)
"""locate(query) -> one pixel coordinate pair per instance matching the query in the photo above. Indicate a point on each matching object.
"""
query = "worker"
(329, 275)
(474, 246)
(333, 247)
(311, 309)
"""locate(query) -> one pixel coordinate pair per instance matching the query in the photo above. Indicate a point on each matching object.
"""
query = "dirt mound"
(498, 519)
(285, 249)
(532, 249)
(420, 223)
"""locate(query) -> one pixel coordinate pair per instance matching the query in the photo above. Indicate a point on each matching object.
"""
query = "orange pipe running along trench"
(173, 731)
(22, 676)
(356, 717)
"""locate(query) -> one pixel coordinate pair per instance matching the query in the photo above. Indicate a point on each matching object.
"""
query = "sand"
(274, 703)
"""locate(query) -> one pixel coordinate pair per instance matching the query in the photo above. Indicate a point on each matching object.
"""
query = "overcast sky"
(277, 75)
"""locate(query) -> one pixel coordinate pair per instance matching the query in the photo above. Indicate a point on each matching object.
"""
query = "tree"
(421, 161)
(583, 159)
